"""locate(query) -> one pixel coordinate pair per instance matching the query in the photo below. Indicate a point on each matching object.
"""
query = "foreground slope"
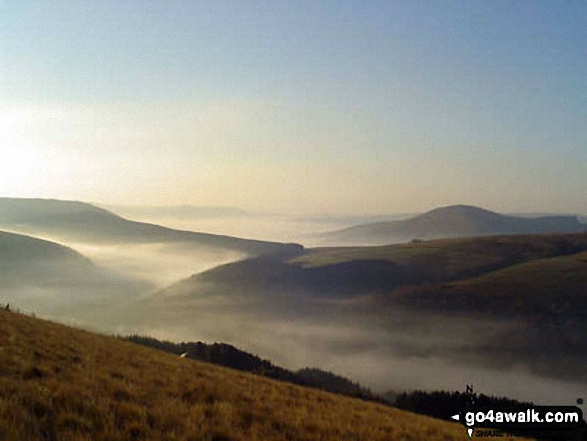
(454, 221)
(223, 354)
(61, 383)
(79, 221)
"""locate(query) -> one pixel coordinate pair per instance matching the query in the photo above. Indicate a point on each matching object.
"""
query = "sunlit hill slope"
(61, 383)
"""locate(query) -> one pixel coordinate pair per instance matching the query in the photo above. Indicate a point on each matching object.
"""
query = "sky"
(300, 107)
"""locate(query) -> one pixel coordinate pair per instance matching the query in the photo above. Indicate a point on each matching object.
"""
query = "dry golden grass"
(59, 383)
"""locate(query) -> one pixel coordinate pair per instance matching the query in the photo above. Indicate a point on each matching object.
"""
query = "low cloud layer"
(398, 351)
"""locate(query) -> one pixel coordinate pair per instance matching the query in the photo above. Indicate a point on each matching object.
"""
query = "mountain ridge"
(344, 270)
(455, 221)
(80, 221)
(534, 283)
(43, 275)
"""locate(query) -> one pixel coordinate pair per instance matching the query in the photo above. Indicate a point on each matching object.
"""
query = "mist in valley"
(159, 264)
(124, 293)
(388, 191)
(406, 352)
(94, 285)
(306, 230)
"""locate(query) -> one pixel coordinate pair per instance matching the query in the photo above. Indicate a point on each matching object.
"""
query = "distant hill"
(545, 298)
(37, 273)
(227, 355)
(533, 284)
(356, 271)
(18, 248)
(179, 211)
(79, 221)
(29, 261)
(454, 221)
(60, 383)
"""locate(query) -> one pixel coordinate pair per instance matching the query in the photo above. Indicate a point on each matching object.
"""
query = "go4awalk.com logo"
(529, 420)
(516, 421)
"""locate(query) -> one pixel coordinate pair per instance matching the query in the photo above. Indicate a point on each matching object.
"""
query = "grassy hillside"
(456, 256)
(27, 261)
(60, 383)
(545, 298)
(455, 221)
(520, 299)
(555, 286)
(40, 274)
(356, 271)
(18, 248)
(227, 355)
(78, 221)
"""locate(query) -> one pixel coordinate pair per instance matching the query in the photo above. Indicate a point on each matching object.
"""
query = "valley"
(503, 312)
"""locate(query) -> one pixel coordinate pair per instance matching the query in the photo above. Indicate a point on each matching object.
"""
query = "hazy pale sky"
(297, 107)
